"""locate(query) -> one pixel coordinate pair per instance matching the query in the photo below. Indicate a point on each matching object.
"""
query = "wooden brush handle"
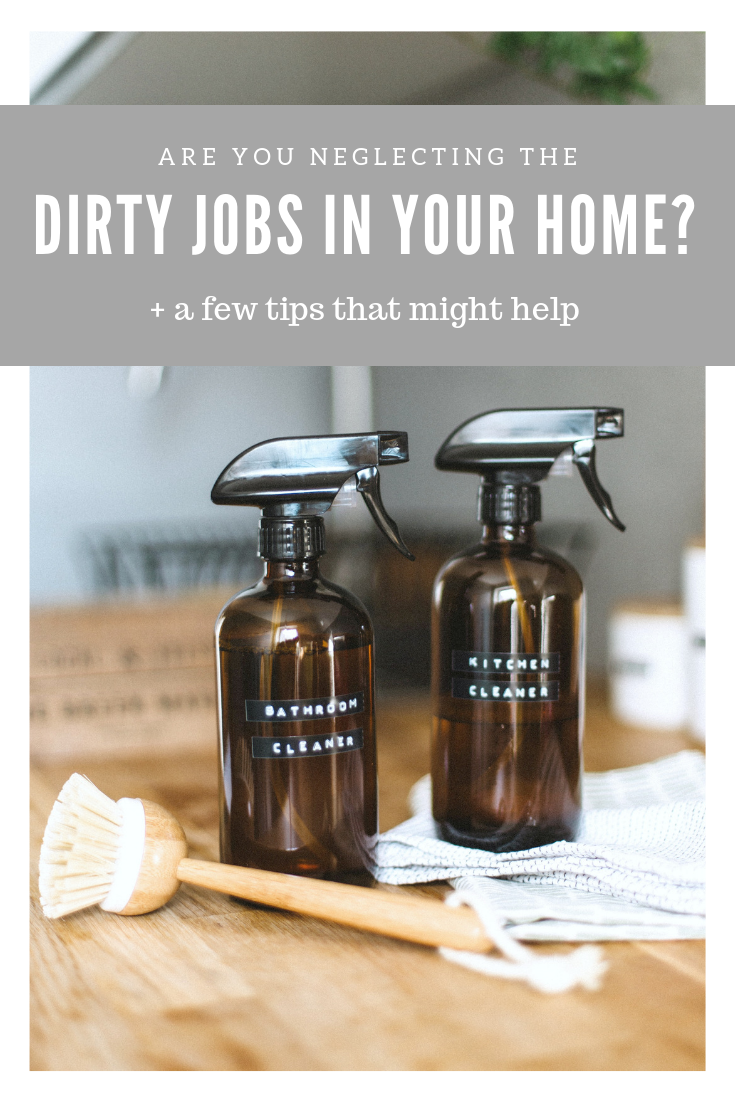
(396, 915)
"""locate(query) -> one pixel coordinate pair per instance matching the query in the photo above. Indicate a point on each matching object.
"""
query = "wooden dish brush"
(130, 858)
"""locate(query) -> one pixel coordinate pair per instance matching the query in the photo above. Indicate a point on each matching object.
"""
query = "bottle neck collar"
(291, 540)
(508, 505)
(306, 571)
(509, 533)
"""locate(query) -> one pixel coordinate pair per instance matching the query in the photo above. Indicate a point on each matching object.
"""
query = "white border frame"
(716, 19)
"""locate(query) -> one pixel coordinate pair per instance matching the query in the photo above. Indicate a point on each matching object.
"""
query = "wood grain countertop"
(124, 692)
(208, 984)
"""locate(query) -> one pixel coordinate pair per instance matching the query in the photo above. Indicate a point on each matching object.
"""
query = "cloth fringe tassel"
(551, 974)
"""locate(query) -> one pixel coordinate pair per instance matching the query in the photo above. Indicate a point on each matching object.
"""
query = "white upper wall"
(98, 456)
(181, 67)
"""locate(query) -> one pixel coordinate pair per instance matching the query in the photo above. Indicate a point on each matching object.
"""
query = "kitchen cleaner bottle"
(508, 629)
(298, 779)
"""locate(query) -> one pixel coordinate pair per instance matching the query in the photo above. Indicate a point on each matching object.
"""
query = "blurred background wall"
(107, 461)
(104, 456)
(316, 67)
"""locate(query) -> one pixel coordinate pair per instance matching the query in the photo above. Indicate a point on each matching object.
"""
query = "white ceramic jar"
(648, 664)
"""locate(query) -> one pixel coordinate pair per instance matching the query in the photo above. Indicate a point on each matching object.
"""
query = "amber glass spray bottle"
(298, 781)
(508, 639)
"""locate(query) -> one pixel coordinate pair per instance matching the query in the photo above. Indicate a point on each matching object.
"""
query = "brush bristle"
(80, 847)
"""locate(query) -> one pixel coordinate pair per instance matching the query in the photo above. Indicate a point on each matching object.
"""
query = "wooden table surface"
(208, 984)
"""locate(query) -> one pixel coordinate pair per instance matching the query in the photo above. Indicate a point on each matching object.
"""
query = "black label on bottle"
(484, 662)
(314, 746)
(466, 689)
(296, 711)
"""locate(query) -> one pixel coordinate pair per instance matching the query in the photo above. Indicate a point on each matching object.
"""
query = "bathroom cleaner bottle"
(298, 780)
(508, 638)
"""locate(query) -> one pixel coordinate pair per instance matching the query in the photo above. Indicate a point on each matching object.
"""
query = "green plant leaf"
(605, 66)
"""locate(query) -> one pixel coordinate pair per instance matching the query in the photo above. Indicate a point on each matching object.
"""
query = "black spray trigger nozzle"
(368, 484)
(514, 449)
(583, 456)
(295, 477)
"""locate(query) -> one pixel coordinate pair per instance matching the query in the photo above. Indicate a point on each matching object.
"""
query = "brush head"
(122, 856)
(80, 848)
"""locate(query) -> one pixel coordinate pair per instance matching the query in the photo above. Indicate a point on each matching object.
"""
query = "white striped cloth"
(635, 871)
